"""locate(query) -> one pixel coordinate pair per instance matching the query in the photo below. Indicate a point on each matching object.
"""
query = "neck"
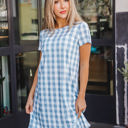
(60, 23)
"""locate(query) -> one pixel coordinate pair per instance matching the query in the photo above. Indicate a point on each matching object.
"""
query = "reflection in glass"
(4, 87)
(98, 15)
(26, 64)
(101, 71)
(43, 11)
(3, 24)
(28, 22)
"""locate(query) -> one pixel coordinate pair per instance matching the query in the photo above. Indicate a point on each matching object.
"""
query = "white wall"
(121, 5)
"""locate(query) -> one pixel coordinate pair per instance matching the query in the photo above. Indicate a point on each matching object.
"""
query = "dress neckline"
(61, 27)
(65, 26)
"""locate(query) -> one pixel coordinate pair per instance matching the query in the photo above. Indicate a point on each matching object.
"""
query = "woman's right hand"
(29, 105)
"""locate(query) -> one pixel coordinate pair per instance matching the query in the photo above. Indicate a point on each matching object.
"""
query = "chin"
(63, 17)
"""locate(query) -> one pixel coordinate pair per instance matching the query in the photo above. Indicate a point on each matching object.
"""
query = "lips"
(63, 12)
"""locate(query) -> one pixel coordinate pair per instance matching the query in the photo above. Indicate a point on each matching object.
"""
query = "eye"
(56, 1)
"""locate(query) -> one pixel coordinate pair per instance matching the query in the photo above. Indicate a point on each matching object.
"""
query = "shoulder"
(82, 25)
(83, 28)
(42, 32)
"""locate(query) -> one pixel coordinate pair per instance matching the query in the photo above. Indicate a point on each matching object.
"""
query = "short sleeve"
(84, 35)
(40, 40)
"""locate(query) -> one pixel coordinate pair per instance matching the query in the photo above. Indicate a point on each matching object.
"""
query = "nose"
(62, 4)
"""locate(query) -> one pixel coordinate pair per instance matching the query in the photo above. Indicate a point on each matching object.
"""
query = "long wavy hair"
(49, 16)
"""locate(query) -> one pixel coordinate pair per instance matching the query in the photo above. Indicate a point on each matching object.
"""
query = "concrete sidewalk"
(103, 125)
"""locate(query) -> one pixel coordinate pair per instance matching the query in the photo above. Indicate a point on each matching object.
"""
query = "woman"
(55, 100)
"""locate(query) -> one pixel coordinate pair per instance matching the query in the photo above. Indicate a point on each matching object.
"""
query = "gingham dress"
(57, 87)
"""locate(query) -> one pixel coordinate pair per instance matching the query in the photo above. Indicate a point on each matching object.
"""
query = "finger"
(79, 113)
(76, 107)
(27, 111)
(83, 110)
(31, 108)
(26, 108)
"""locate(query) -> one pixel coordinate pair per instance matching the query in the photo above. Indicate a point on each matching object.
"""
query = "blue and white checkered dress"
(57, 87)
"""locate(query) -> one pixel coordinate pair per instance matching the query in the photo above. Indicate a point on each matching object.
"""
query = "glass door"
(28, 19)
(5, 95)
(100, 95)
(3, 24)
(5, 107)
(27, 58)
(19, 34)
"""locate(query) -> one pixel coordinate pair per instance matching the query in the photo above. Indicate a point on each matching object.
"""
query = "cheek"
(56, 8)
(68, 6)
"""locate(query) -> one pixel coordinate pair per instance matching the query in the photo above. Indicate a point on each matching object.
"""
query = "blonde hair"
(49, 17)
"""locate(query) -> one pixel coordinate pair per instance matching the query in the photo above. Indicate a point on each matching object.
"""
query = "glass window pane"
(43, 11)
(28, 22)
(101, 71)
(98, 15)
(4, 87)
(26, 65)
(3, 24)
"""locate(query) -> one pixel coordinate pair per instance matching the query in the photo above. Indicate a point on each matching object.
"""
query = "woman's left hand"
(80, 105)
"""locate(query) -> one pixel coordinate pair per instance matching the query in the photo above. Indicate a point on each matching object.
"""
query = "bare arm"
(84, 68)
(31, 94)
